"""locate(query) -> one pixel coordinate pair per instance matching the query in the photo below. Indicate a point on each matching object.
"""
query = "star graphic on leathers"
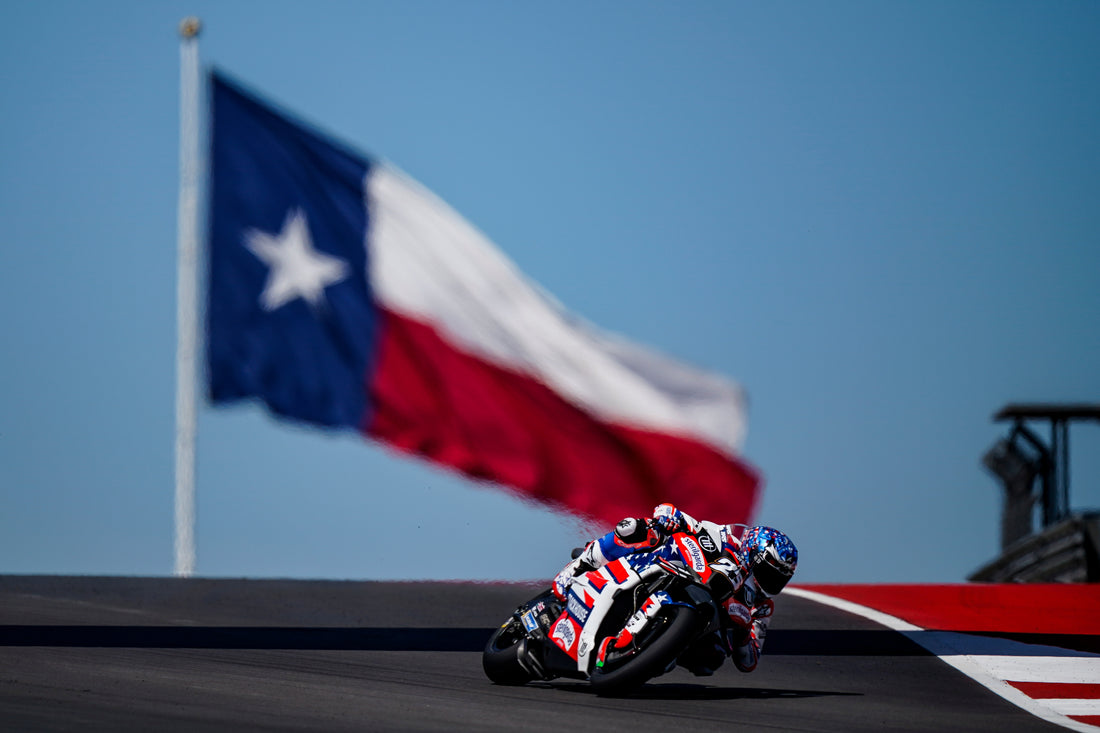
(297, 269)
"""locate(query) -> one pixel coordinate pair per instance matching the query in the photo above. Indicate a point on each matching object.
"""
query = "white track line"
(1005, 660)
(1070, 706)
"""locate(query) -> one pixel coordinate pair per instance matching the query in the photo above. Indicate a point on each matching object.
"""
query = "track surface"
(125, 654)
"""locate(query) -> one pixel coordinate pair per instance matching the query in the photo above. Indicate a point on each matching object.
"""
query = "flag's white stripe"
(429, 263)
(982, 668)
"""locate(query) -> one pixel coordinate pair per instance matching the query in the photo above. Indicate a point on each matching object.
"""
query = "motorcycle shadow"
(702, 692)
(248, 637)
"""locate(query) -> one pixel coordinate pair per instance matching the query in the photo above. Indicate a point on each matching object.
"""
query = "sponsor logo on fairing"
(707, 543)
(695, 554)
(577, 609)
(563, 631)
(529, 621)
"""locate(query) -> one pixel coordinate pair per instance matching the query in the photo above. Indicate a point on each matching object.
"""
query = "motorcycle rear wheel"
(680, 625)
(500, 660)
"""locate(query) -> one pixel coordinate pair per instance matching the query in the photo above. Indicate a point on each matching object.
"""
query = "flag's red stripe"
(430, 399)
(1059, 690)
(1055, 608)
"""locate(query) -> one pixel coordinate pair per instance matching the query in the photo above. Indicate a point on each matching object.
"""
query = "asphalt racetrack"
(167, 654)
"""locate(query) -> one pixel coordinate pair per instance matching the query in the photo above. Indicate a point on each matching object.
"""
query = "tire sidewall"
(653, 659)
(501, 663)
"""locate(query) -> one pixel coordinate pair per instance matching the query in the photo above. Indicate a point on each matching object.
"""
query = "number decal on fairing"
(724, 565)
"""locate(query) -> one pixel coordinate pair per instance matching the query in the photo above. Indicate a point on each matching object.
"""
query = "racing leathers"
(747, 611)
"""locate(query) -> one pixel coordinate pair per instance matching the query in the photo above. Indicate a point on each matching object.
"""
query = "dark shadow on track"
(1076, 642)
(821, 643)
(883, 642)
(780, 642)
(828, 643)
(818, 643)
(845, 643)
(242, 637)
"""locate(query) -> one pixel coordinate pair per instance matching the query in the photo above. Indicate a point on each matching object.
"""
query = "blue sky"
(881, 219)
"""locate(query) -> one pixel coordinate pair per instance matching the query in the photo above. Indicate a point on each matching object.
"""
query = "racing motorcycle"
(620, 625)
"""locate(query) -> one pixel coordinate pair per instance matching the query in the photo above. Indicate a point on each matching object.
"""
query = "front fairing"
(590, 598)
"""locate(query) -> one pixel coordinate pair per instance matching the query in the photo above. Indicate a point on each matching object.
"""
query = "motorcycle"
(622, 624)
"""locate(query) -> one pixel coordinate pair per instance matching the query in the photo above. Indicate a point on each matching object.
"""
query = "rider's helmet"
(770, 556)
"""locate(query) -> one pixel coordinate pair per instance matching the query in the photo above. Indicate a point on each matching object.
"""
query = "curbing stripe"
(1079, 667)
(1055, 690)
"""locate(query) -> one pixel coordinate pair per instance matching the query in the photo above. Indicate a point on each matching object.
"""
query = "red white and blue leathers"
(748, 610)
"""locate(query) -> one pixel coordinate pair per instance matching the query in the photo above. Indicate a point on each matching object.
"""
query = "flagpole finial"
(190, 27)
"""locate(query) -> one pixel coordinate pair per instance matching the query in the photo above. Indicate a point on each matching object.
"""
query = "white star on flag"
(297, 269)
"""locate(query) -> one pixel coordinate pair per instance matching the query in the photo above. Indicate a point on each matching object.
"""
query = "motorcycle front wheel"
(500, 660)
(661, 647)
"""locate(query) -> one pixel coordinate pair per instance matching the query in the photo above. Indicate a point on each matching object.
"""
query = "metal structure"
(1054, 461)
(1067, 545)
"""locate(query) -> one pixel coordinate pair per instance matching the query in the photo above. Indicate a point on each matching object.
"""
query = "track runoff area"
(1034, 645)
(201, 654)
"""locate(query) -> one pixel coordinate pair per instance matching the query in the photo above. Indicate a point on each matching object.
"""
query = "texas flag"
(342, 293)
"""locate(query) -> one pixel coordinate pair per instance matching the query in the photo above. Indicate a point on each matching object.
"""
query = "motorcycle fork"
(540, 656)
(626, 644)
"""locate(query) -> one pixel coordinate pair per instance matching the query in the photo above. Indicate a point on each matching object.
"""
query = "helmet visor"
(770, 577)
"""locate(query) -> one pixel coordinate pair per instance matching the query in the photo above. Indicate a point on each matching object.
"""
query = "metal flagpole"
(187, 297)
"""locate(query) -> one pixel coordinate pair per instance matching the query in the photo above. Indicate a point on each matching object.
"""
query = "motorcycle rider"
(765, 559)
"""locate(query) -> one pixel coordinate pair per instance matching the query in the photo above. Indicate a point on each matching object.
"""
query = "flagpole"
(187, 298)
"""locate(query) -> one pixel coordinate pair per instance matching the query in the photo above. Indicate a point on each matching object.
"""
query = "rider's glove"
(562, 581)
(763, 608)
(668, 518)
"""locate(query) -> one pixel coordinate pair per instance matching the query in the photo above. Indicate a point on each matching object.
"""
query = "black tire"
(500, 660)
(680, 624)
